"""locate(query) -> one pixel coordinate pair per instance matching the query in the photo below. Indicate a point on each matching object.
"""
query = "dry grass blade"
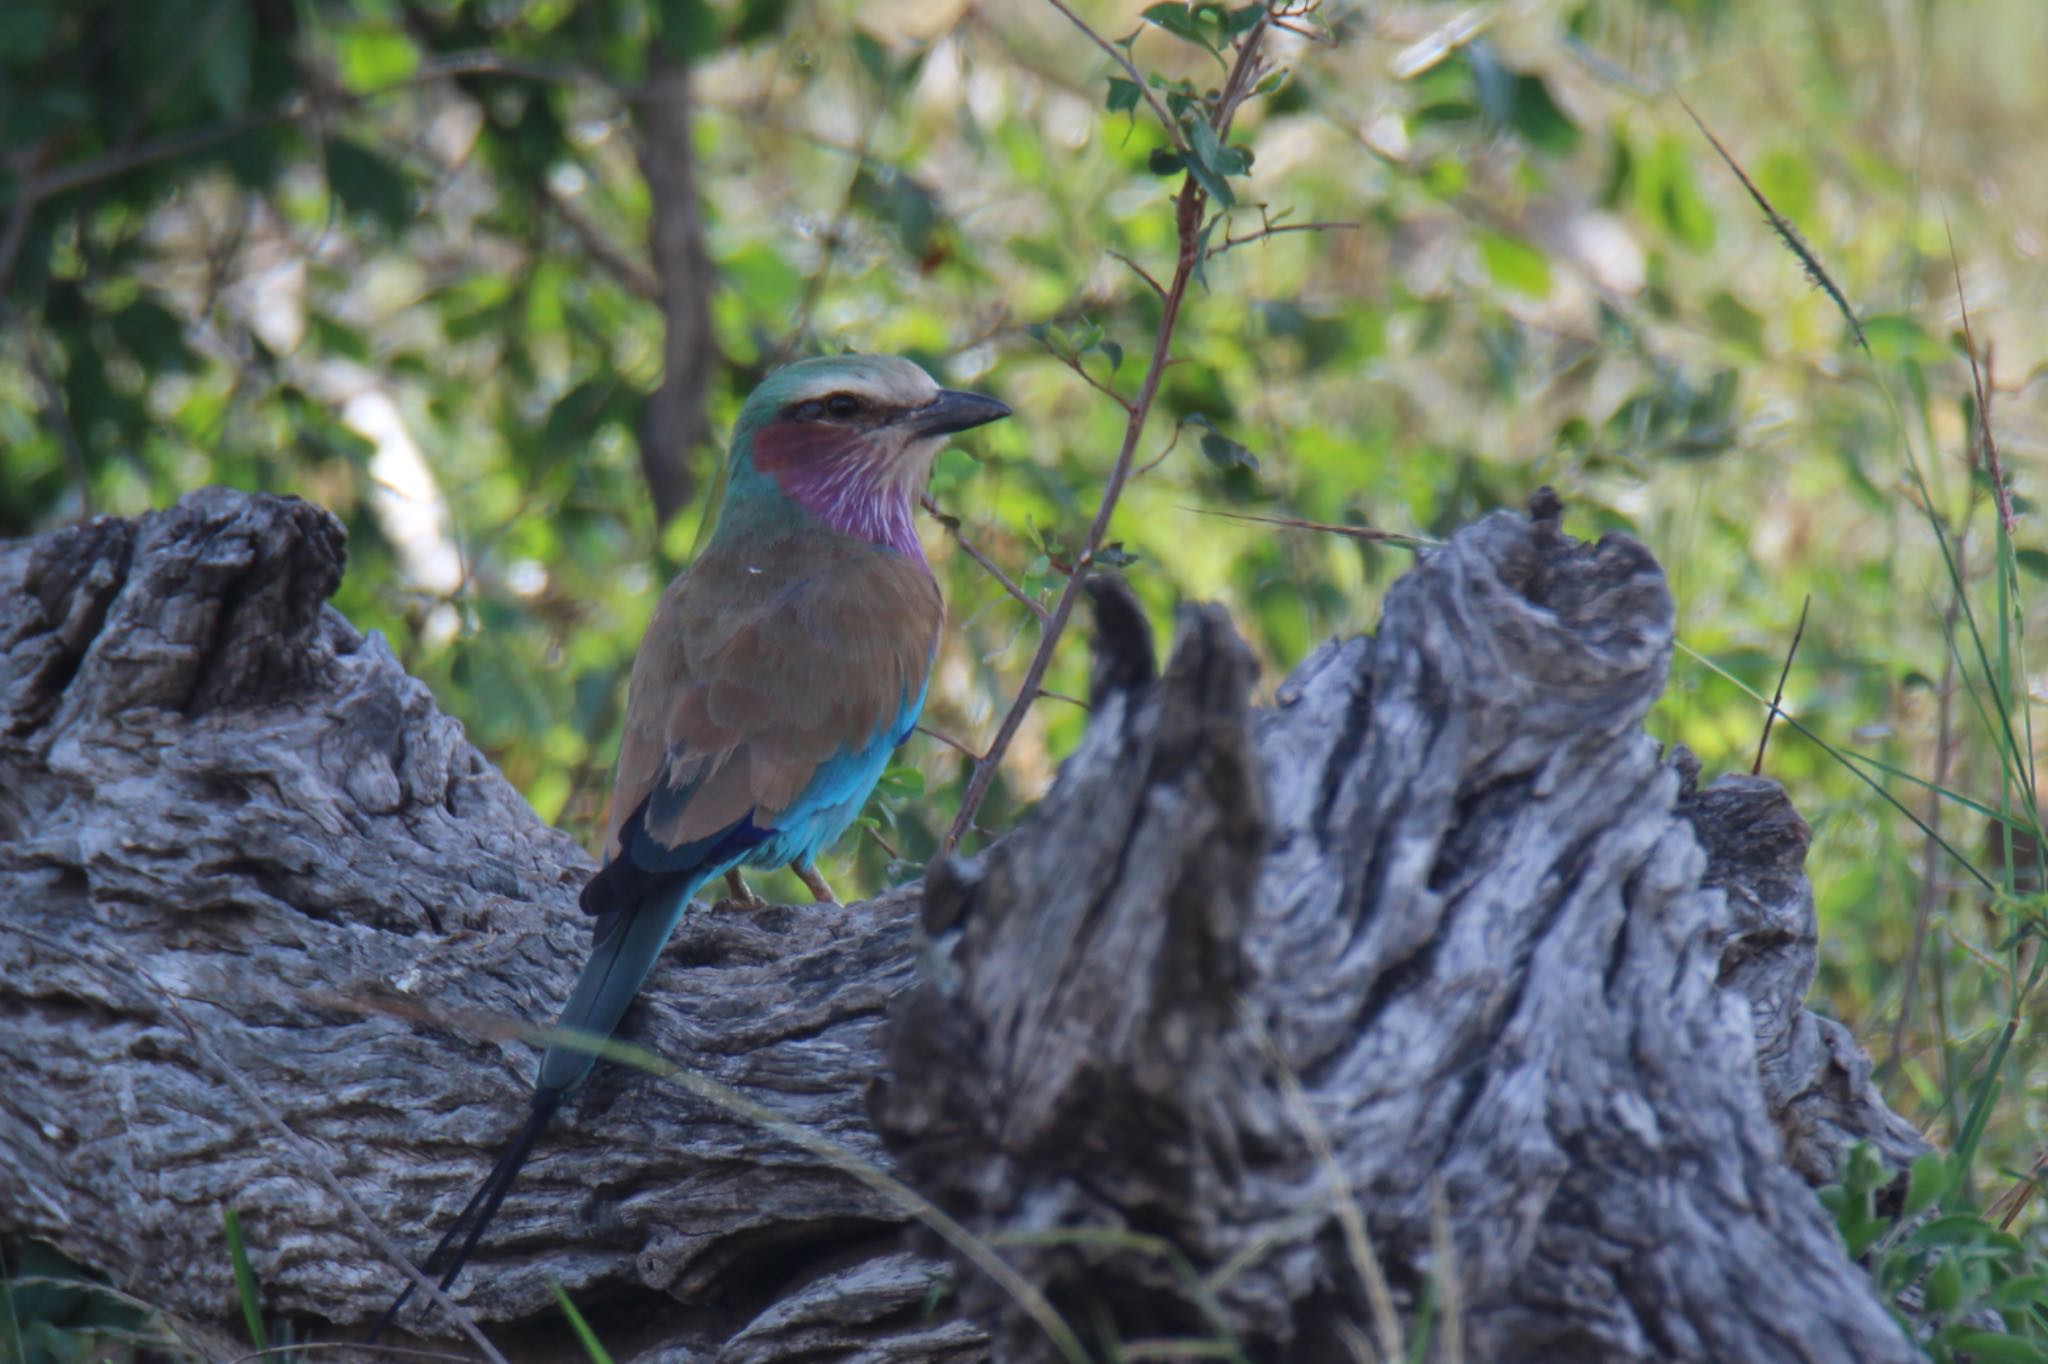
(1980, 382)
(2009, 1205)
(913, 1204)
(1344, 1197)
(1787, 233)
(306, 1156)
(1450, 1296)
(1756, 769)
(1390, 537)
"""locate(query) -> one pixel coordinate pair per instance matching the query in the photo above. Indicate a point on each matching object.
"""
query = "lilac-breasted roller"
(782, 668)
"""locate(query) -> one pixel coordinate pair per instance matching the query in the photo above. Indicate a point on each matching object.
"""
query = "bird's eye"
(843, 405)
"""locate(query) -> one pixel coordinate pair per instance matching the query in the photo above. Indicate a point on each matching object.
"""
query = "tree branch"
(1188, 226)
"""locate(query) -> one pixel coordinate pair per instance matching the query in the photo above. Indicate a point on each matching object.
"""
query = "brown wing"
(762, 663)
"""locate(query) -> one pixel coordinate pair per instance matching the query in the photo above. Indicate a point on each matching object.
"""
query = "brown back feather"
(764, 661)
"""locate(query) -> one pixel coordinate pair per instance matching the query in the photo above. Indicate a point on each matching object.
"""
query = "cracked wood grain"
(1446, 890)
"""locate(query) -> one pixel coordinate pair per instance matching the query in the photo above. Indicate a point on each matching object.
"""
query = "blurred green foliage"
(382, 253)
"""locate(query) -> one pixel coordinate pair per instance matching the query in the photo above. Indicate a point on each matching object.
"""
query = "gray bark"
(1441, 926)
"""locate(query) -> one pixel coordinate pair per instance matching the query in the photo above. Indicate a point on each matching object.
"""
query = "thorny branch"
(1245, 71)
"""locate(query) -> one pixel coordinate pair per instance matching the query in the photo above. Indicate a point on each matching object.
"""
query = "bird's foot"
(742, 896)
(820, 890)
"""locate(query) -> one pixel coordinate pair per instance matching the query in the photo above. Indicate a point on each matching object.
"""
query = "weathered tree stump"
(1437, 971)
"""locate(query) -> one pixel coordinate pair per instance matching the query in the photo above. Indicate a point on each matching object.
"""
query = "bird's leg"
(742, 896)
(820, 891)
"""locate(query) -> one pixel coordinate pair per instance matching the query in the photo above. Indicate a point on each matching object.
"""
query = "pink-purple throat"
(841, 479)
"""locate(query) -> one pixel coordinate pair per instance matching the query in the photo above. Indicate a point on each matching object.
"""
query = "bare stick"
(1073, 362)
(1188, 207)
(1389, 537)
(1143, 273)
(1274, 230)
(1756, 768)
(949, 741)
(1130, 71)
(952, 525)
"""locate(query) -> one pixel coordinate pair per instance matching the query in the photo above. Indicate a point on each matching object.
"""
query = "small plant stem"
(1188, 206)
(967, 547)
(1130, 72)
(1756, 769)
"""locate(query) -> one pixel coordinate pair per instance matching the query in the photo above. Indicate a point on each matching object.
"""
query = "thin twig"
(948, 740)
(607, 253)
(1049, 694)
(1930, 846)
(1390, 537)
(2010, 1204)
(890, 848)
(1073, 362)
(1171, 124)
(350, 1347)
(308, 1158)
(1983, 389)
(1274, 230)
(994, 570)
(1756, 769)
(1143, 273)
(1188, 226)
(1787, 233)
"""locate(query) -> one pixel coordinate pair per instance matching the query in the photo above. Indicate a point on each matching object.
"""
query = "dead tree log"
(1436, 976)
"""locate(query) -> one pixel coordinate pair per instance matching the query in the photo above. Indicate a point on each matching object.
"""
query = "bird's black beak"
(954, 411)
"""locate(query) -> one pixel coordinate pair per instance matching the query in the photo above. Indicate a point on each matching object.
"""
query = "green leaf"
(2029, 1290)
(1787, 181)
(953, 468)
(372, 58)
(687, 28)
(1962, 1228)
(873, 58)
(1736, 322)
(764, 278)
(1180, 20)
(1241, 19)
(1204, 162)
(1895, 337)
(1515, 264)
(224, 61)
(901, 203)
(155, 336)
(1675, 199)
(367, 183)
(1115, 355)
(901, 782)
(1945, 1284)
(26, 29)
(245, 1280)
(591, 1345)
(1995, 1345)
(760, 19)
(2033, 561)
(1535, 115)
(1929, 1179)
(1220, 450)
(1163, 161)
(1123, 95)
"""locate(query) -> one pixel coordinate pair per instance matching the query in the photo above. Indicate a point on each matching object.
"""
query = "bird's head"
(851, 439)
